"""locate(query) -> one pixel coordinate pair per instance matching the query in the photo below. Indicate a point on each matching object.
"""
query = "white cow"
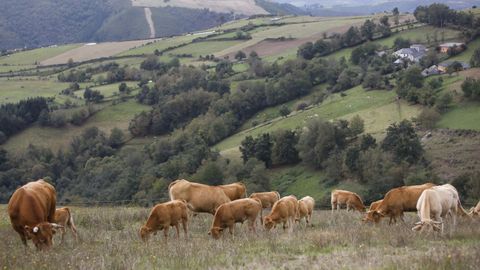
(434, 205)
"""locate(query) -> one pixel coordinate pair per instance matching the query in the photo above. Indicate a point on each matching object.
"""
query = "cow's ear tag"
(35, 229)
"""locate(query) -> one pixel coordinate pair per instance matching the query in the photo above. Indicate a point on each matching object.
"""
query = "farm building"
(433, 70)
(414, 53)
(446, 47)
(442, 67)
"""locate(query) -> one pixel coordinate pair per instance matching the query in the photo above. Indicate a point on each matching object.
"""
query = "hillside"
(129, 117)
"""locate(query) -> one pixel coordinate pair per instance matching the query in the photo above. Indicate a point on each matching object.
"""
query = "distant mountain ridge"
(30, 24)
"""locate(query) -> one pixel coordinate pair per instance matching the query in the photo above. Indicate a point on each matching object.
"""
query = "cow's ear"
(55, 227)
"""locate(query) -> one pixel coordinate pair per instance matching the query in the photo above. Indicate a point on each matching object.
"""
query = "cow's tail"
(461, 211)
(170, 189)
(278, 195)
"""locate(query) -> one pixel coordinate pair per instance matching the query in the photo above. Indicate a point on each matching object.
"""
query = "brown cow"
(475, 211)
(375, 205)
(350, 199)
(397, 201)
(63, 216)
(283, 211)
(234, 191)
(305, 209)
(163, 216)
(267, 199)
(32, 211)
(199, 197)
(233, 212)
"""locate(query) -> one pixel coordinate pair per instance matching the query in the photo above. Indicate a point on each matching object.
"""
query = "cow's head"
(42, 234)
(268, 223)
(145, 233)
(215, 232)
(373, 216)
(427, 225)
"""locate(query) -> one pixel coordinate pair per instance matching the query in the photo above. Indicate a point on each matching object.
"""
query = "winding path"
(148, 16)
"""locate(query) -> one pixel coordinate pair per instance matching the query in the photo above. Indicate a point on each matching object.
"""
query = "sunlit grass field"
(109, 239)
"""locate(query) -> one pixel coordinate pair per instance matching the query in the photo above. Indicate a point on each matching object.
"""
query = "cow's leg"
(261, 216)
(284, 225)
(185, 228)
(333, 206)
(165, 231)
(63, 230)
(177, 229)
(338, 206)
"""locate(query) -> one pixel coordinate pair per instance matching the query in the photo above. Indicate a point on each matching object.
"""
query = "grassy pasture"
(33, 57)
(462, 116)
(16, 90)
(380, 105)
(204, 48)
(55, 138)
(161, 44)
(108, 90)
(109, 240)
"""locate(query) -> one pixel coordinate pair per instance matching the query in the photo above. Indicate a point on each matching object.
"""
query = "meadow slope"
(109, 239)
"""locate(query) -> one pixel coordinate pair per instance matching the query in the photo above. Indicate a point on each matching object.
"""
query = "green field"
(467, 54)
(33, 57)
(204, 48)
(108, 90)
(380, 105)
(462, 116)
(109, 239)
(55, 138)
(16, 90)
(161, 45)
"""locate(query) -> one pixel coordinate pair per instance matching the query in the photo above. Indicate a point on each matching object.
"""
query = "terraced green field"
(204, 48)
(33, 57)
(378, 108)
(161, 45)
(462, 116)
(16, 90)
(55, 138)
(109, 90)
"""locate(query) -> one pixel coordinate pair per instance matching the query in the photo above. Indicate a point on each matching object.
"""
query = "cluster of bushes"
(60, 118)
(14, 117)
(471, 88)
(354, 36)
(338, 149)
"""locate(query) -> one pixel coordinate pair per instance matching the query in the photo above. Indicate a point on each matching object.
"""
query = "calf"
(283, 211)
(375, 205)
(233, 212)
(163, 216)
(305, 209)
(234, 191)
(63, 216)
(348, 198)
(267, 199)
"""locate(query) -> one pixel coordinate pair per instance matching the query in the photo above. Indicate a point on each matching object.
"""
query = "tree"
(384, 21)
(403, 142)
(356, 126)
(396, 14)
(284, 147)
(373, 80)
(471, 88)
(247, 148)
(428, 118)
(240, 55)
(116, 138)
(209, 173)
(284, 111)
(444, 102)
(263, 149)
(367, 141)
(475, 59)
(368, 29)
(151, 63)
(224, 68)
(316, 142)
(123, 88)
(400, 43)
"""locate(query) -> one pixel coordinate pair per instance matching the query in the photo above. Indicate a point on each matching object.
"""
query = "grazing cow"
(396, 201)
(375, 205)
(305, 209)
(350, 199)
(163, 216)
(199, 197)
(283, 211)
(63, 217)
(267, 199)
(235, 191)
(475, 211)
(234, 212)
(32, 213)
(436, 203)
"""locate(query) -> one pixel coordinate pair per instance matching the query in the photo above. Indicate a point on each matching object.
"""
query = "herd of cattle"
(33, 213)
